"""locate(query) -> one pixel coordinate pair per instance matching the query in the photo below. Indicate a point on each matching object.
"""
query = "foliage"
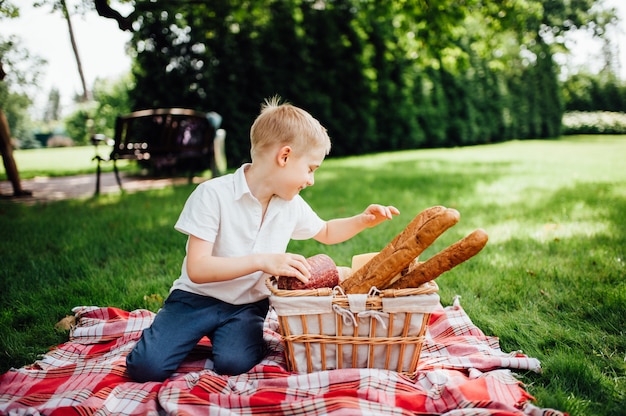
(52, 111)
(8, 9)
(589, 92)
(98, 116)
(598, 122)
(79, 122)
(113, 100)
(379, 75)
(23, 72)
(550, 282)
(27, 141)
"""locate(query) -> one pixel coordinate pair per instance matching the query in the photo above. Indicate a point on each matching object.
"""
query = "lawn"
(61, 161)
(551, 281)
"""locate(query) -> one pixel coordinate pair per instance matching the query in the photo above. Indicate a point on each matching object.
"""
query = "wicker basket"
(324, 329)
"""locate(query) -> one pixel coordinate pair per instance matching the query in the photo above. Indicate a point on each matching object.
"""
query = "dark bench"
(166, 139)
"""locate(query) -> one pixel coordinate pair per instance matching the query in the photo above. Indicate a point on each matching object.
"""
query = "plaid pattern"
(462, 373)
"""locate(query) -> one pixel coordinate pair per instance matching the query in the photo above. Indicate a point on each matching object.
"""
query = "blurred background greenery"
(379, 75)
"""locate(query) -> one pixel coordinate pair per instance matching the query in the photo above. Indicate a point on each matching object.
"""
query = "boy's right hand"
(287, 264)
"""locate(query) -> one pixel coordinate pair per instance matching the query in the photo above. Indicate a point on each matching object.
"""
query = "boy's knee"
(233, 366)
(143, 370)
(235, 360)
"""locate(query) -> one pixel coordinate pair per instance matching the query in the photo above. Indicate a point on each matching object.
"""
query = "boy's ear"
(283, 154)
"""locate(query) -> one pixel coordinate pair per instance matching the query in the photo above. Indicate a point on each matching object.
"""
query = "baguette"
(443, 261)
(398, 255)
(415, 225)
(409, 231)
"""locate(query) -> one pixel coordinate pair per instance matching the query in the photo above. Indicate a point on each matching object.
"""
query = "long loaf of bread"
(402, 250)
(414, 226)
(409, 231)
(443, 261)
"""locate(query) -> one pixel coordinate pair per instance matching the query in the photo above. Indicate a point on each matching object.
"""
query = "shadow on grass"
(342, 191)
(109, 251)
(556, 290)
(550, 281)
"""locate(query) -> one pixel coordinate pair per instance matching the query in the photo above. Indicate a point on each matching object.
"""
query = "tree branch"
(104, 10)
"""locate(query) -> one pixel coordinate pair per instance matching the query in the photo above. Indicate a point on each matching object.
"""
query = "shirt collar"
(242, 189)
(241, 185)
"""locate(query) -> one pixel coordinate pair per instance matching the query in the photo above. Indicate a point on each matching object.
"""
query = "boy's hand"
(287, 264)
(375, 214)
(341, 229)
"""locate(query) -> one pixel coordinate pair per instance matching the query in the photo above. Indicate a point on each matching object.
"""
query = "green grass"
(551, 281)
(60, 161)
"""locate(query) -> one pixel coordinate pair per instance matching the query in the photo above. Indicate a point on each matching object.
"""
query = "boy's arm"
(341, 229)
(204, 267)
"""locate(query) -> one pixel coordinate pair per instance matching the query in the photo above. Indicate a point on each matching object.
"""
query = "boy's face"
(299, 171)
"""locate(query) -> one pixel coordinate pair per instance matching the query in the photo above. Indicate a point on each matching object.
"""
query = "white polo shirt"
(224, 211)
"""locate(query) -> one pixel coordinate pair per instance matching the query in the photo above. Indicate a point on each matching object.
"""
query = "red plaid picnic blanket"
(462, 372)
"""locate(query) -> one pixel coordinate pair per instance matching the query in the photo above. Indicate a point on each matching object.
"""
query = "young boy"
(238, 228)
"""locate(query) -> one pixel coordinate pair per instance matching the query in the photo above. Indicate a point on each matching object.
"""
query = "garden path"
(45, 189)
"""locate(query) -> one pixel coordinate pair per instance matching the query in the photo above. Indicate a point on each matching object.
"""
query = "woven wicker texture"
(324, 329)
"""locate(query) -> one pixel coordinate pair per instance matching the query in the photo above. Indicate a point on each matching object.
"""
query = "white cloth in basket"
(353, 337)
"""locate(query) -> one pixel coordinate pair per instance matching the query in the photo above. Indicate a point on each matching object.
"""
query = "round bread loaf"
(323, 274)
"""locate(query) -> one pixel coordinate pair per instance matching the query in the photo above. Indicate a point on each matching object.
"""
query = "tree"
(61, 6)
(52, 111)
(22, 74)
(6, 149)
(104, 10)
(380, 75)
(98, 116)
(8, 9)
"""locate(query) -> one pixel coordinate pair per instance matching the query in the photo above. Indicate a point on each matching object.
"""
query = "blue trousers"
(235, 331)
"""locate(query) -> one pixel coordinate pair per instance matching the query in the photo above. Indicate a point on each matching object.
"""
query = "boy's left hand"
(375, 214)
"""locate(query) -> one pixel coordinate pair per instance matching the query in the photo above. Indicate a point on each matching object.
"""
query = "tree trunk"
(66, 14)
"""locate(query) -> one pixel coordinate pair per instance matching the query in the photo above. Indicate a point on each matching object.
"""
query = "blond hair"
(282, 124)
